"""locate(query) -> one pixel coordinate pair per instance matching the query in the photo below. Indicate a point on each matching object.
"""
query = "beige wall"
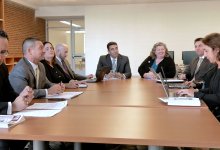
(137, 27)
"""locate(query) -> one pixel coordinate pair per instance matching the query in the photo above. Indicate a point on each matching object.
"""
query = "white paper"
(181, 101)
(38, 113)
(64, 95)
(171, 80)
(82, 85)
(48, 106)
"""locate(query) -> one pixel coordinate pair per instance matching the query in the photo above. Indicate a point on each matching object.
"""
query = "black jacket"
(7, 94)
(167, 63)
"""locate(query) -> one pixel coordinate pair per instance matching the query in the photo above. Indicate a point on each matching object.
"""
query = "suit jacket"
(23, 75)
(73, 75)
(7, 94)
(167, 63)
(123, 65)
(203, 68)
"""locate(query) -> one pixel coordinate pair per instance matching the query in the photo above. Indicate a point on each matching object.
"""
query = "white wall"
(137, 27)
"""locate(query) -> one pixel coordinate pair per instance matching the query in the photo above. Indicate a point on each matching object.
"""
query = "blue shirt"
(154, 66)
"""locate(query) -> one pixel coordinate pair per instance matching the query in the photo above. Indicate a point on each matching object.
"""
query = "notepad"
(48, 106)
(43, 109)
(181, 101)
(38, 113)
(64, 95)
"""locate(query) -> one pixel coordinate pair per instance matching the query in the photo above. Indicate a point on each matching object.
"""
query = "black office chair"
(188, 56)
(171, 53)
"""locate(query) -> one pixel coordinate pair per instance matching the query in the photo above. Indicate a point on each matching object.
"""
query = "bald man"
(61, 54)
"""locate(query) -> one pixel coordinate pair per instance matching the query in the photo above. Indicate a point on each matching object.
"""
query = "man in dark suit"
(119, 64)
(9, 100)
(29, 71)
(200, 66)
(61, 54)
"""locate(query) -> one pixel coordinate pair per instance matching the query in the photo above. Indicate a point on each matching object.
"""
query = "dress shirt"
(9, 110)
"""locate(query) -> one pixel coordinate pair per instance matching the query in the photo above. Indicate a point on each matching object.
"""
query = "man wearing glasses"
(9, 100)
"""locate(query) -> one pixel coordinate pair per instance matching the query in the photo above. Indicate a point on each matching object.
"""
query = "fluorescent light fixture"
(68, 23)
(76, 31)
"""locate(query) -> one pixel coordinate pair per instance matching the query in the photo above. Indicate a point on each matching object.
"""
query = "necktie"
(114, 65)
(37, 77)
(198, 65)
(66, 69)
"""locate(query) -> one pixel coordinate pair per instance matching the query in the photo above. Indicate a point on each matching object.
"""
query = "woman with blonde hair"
(159, 58)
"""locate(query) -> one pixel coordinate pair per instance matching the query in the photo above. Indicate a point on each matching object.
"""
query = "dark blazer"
(23, 75)
(123, 65)
(73, 75)
(55, 74)
(211, 95)
(7, 94)
(203, 68)
(167, 63)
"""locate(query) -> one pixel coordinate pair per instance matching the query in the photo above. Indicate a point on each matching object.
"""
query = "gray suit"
(123, 65)
(72, 74)
(23, 75)
(204, 67)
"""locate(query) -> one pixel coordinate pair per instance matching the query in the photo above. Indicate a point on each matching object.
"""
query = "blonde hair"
(152, 53)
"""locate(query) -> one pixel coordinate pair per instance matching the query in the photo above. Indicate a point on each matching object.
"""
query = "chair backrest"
(187, 56)
(171, 53)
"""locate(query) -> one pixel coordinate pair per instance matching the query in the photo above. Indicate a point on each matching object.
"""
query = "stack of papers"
(43, 109)
(64, 95)
(181, 101)
(7, 121)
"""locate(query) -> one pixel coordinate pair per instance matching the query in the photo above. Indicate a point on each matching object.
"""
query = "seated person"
(54, 72)
(9, 100)
(211, 95)
(200, 68)
(119, 64)
(29, 71)
(61, 54)
(159, 58)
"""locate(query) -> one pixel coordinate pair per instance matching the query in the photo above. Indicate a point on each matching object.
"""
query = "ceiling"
(40, 3)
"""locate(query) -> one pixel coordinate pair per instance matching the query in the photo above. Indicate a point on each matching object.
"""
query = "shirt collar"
(202, 57)
(113, 58)
(34, 66)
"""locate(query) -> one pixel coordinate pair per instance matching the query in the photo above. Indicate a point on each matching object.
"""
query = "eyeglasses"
(4, 52)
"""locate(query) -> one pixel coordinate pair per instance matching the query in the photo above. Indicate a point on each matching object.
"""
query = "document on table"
(48, 106)
(181, 101)
(64, 95)
(38, 113)
(43, 109)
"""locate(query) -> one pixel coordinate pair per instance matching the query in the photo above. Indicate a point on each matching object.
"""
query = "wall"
(20, 23)
(137, 27)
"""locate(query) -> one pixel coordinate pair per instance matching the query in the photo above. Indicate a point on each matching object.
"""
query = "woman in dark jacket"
(159, 58)
(210, 95)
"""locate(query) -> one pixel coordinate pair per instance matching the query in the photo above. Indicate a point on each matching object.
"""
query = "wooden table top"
(123, 125)
(136, 92)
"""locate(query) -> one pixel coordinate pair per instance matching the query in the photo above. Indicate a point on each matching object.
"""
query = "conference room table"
(135, 92)
(101, 115)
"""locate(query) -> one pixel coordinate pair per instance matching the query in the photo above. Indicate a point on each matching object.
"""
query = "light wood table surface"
(123, 125)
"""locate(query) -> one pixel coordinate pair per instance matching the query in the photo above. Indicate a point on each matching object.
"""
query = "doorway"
(71, 32)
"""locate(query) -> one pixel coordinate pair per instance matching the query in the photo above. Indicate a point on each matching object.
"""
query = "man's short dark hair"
(111, 43)
(3, 34)
(197, 40)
